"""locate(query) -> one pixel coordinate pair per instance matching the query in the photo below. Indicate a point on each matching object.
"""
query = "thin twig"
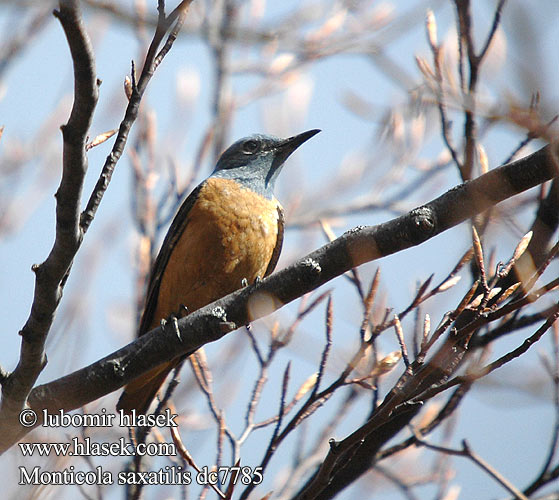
(132, 110)
(467, 452)
(327, 347)
(470, 377)
(401, 341)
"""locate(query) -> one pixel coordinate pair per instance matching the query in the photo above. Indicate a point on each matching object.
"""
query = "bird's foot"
(182, 312)
(245, 283)
(172, 321)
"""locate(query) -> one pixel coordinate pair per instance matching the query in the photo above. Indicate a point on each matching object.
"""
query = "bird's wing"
(279, 242)
(173, 235)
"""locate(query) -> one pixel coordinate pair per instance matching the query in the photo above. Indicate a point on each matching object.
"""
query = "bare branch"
(152, 60)
(350, 250)
(467, 452)
(49, 275)
(470, 377)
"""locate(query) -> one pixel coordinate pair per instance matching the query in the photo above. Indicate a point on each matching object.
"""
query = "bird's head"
(256, 161)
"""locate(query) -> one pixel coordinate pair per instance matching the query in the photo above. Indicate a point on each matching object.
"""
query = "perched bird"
(227, 232)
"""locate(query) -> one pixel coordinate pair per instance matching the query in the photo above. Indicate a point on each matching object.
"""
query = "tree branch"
(50, 274)
(355, 247)
(466, 451)
(153, 59)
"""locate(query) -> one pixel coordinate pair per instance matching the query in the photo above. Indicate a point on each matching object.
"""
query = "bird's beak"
(285, 148)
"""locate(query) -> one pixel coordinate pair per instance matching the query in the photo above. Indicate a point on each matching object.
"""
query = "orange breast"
(230, 235)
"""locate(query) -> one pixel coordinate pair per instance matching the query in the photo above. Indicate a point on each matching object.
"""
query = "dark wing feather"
(279, 242)
(175, 231)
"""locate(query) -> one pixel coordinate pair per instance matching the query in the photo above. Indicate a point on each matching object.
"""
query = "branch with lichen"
(354, 248)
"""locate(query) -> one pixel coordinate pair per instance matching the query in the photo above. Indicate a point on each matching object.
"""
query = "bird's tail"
(139, 394)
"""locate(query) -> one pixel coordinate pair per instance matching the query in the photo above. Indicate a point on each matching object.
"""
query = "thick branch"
(70, 225)
(350, 250)
(50, 274)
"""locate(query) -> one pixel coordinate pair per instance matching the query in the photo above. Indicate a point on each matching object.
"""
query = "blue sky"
(507, 427)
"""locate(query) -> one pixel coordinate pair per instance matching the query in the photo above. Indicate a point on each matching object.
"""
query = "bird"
(227, 233)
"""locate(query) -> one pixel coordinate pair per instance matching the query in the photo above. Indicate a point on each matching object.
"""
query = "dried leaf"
(494, 291)
(483, 161)
(466, 299)
(474, 304)
(281, 63)
(306, 386)
(478, 251)
(507, 293)
(426, 330)
(463, 261)
(100, 139)
(477, 301)
(424, 67)
(431, 28)
(387, 363)
(330, 26)
(453, 492)
(127, 87)
(401, 341)
(362, 383)
(522, 246)
(449, 283)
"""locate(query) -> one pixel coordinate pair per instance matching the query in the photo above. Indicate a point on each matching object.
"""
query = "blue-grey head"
(256, 161)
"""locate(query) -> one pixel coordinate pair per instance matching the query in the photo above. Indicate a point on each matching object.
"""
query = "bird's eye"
(250, 147)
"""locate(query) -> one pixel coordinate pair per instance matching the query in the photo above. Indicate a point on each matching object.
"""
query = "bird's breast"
(230, 235)
(244, 223)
